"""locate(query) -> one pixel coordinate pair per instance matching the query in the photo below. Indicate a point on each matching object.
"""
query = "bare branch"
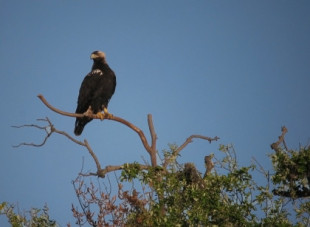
(85, 207)
(31, 125)
(92, 154)
(190, 139)
(154, 139)
(187, 141)
(152, 131)
(261, 168)
(31, 144)
(70, 137)
(41, 97)
(49, 133)
(48, 130)
(94, 116)
(102, 172)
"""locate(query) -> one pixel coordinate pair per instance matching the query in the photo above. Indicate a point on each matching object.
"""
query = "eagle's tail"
(79, 125)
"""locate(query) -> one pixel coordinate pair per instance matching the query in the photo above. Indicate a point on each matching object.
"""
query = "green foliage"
(179, 195)
(33, 218)
(232, 198)
(292, 179)
(292, 172)
(130, 171)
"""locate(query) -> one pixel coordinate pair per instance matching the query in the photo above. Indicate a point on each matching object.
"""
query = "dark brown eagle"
(96, 91)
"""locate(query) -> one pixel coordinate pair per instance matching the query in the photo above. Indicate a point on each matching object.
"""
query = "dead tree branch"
(187, 141)
(149, 149)
(48, 130)
(154, 140)
(102, 172)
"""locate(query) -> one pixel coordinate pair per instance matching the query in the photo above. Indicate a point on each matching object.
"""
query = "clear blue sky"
(234, 69)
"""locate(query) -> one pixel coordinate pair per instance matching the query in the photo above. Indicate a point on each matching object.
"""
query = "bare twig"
(31, 144)
(31, 125)
(49, 129)
(102, 172)
(70, 137)
(85, 207)
(93, 155)
(190, 139)
(187, 141)
(261, 168)
(85, 144)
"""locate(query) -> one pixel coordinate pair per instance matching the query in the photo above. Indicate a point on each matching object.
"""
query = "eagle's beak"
(93, 56)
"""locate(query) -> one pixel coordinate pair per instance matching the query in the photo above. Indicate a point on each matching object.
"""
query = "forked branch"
(152, 152)
(151, 149)
(49, 129)
(187, 141)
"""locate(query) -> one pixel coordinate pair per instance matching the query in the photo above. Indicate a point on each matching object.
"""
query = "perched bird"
(96, 91)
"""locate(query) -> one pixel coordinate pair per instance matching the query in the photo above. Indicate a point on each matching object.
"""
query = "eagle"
(95, 92)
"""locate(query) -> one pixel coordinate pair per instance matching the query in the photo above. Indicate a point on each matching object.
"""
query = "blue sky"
(234, 69)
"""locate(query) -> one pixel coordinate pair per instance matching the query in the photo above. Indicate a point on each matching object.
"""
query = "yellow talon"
(107, 114)
(100, 115)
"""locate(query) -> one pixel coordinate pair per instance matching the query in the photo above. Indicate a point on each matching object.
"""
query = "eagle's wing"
(84, 101)
(85, 94)
(114, 83)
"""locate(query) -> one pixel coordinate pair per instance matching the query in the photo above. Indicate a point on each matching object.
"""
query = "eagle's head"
(98, 55)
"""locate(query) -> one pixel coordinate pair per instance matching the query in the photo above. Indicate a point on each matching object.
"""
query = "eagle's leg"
(107, 114)
(88, 112)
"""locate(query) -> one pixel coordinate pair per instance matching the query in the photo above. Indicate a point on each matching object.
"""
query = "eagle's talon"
(108, 115)
(100, 115)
